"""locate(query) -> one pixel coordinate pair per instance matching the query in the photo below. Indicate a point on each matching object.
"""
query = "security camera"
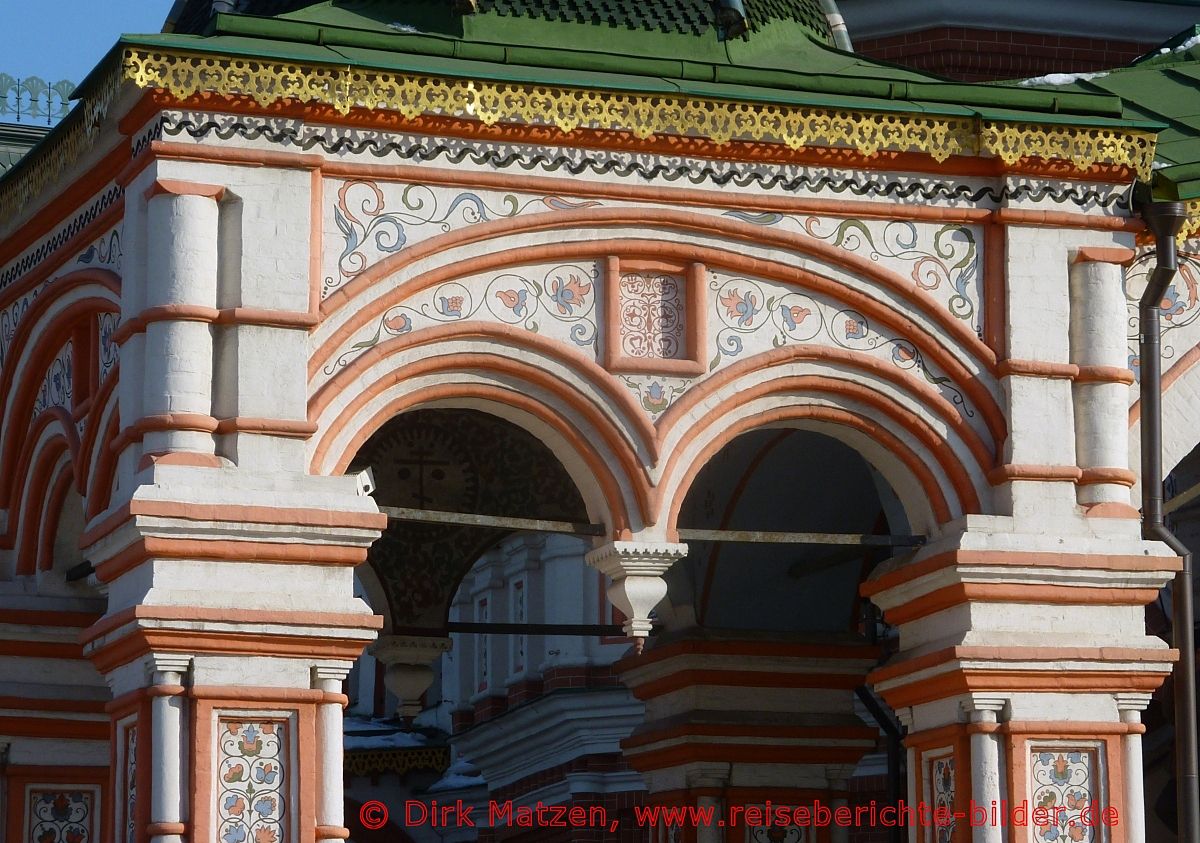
(366, 482)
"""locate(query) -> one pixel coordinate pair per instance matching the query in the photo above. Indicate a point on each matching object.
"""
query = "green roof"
(1162, 86)
(639, 46)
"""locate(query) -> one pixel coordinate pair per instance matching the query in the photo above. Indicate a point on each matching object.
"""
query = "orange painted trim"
(100, 485)
(676, 145)
(1036, 473)
(1116, 476)
(36, 617)
(35, 465)
(903, 419)
(45, 345)
(48, 529)
(1062, 595)
(332, 832)
(1111, 509)
(158, 829)
(40, 649)
(143, 641)
(762, 363)
(1021, 654)
(104, 400)
(878, 432)
(955, 682)
(163, 313)
(1104, 254)
(684, 679)
(152, 458)
(73, 196)
(1036, 369)
(51, 727)
(196, 422)
(255, 316)
(334, 620)
(582, 365)
(995, 288)
(291, 516)
(287, 428)
(264, 317)
(176, 187)
(1104, 374)
(1053, 728)
(155, 547)
(711, 256)
(1094, 562)
(1185, 363)
(600, 470)
(695, 318)
(936, 737)
(1063, 219)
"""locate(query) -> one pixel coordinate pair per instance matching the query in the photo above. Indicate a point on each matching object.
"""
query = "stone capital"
(984, 709)
(1131, 701)
(166, 668)
(636, 569)
(410, 649)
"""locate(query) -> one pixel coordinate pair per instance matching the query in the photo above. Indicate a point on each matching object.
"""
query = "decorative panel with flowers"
(61, 814)
(940, 773)
(777, 834)
(252, 776)
(130, 819)
(1065, 780)
(652, 315)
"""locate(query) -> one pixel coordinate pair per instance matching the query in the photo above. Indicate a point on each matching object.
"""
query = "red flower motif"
(265, 835)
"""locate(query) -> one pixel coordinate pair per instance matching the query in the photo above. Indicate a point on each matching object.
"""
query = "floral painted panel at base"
(941, 796)
(131, 734)
(251, 774)
(61, 815)
(1065, 781)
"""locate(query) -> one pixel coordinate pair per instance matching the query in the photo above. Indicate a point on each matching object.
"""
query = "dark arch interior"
(455, 461)
(783, 480)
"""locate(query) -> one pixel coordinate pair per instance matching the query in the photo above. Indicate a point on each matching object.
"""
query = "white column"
(168, 804)
(1133, 812)
(331, 818)
(636, 569)
(1099, 347)
(181, 271)
(985, 766)
(839, 833)
(709, 777)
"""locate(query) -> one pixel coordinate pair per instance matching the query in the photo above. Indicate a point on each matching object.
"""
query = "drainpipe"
(1165, 219)
(841, 35)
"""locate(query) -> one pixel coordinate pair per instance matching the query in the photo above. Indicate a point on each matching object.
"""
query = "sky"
(64, 39)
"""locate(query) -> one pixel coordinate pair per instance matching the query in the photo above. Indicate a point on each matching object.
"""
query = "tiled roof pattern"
(686, 17)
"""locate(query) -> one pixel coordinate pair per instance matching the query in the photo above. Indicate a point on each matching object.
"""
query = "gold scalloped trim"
(184, 75)
(1191, 226)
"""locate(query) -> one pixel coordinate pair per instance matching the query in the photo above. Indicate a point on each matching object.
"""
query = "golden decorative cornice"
(643, 115)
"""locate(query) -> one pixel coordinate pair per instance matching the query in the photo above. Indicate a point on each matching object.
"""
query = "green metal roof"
(1162, 86)
(664, 48)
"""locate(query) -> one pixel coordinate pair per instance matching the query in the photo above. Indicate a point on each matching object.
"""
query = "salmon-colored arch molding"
(493, 258)
(449, 394)
(802, 412)
(759, 368)
(34, 346)
(93, 445)
(49, 458)
(51, 434)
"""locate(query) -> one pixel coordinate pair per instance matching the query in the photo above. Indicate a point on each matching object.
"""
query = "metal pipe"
(837, 25)
(1165, 219)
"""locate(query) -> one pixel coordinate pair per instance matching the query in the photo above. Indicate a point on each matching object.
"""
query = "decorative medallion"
(61, 815)
(1063, 780)
(251, 775)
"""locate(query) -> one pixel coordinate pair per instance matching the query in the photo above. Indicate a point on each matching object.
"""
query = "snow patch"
(1061, 78)
(1182, 48)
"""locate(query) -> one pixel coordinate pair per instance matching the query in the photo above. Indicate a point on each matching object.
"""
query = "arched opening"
(782, 481)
